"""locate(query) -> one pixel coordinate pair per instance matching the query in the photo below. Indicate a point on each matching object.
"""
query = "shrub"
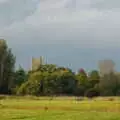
(107, 93)
(93, 92)
(29, 88)
(22, 89)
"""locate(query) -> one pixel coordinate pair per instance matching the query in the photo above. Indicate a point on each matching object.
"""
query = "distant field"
(61, 108)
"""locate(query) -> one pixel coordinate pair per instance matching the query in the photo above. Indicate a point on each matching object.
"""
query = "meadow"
(59, 108)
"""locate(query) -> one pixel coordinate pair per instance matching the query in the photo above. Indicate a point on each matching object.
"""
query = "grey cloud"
(98, 4)
(2, 1)
(81, 4)
(91, 30)
(106, 4)
(16, 10)
(80, 27)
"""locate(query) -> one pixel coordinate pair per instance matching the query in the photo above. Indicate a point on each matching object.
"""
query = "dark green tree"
(82, 82)
(94, 78)
(7, 65)
(82, 77)
(20, 76)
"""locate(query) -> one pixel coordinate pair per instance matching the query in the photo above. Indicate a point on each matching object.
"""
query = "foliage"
(32, 86)
(94, 78)
(56, 80)
(47, 68)
(110, 84)
(82, 82)
(45, 83)
(20, 76)
(93, 92)
(7, 62)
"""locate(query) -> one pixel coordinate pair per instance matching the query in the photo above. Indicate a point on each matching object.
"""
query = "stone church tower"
(106, 66)
(36, 62)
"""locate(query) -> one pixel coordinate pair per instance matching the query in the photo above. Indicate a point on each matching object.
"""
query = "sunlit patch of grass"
(59, 109)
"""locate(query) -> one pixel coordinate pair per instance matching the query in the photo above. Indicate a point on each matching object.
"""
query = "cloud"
(16, 10)
(90, 23)
(80, 4)
(105, 4)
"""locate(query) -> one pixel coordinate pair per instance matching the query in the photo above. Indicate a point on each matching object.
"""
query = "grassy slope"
(27, 109)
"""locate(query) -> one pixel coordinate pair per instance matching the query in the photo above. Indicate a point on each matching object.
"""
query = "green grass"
(59, 109)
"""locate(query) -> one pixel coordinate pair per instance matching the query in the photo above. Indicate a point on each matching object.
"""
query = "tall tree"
(82, 82)
(20, 76)
(82, 77)
(94, 78)
(7, 64)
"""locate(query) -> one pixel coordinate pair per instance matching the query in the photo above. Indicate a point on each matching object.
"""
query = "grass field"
(62, 108)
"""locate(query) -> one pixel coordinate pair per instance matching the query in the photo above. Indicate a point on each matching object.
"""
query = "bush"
(79, 90)
(29, 88)
(93, 92)
(15, 90)
(106, 92)
(22, 89)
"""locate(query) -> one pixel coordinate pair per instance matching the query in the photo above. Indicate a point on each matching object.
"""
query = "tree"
(47, 68)
(20, 76)
(47, 82)
(92, 92)
(94, 78)
(110, 84)
(66, 83)
(7, 64)
(82, 77)
(82, 82)
(32, 85)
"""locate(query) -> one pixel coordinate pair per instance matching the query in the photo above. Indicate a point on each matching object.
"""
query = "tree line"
(50, 79)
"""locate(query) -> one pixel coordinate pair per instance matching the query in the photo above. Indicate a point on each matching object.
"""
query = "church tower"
(36, 62)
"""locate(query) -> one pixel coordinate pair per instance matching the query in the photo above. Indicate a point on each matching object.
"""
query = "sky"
(72, 33)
